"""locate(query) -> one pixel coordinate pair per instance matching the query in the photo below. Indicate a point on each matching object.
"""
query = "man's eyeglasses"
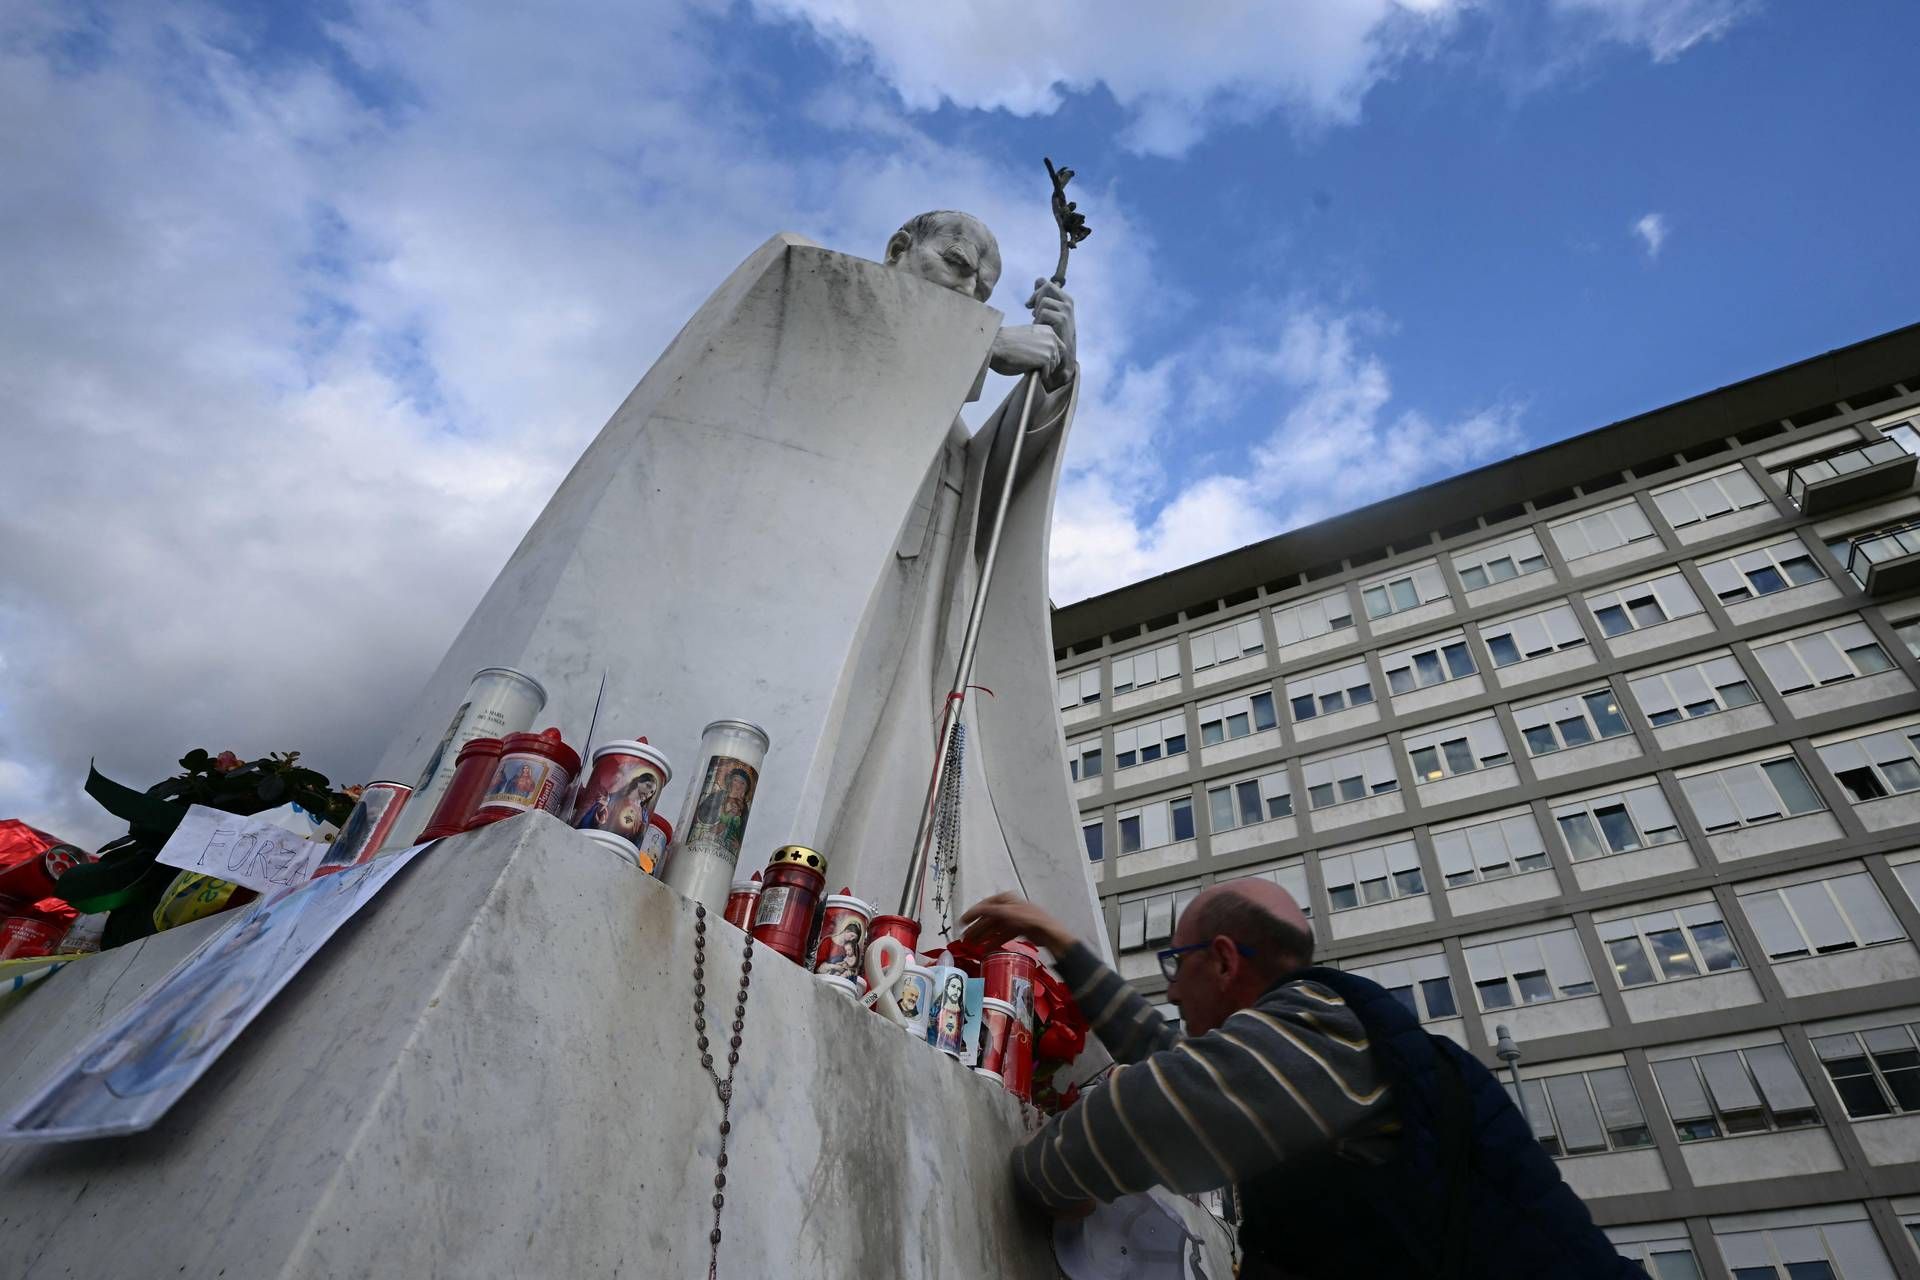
(1170, 958)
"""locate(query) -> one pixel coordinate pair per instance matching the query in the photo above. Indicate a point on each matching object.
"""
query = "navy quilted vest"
(1493, 1199)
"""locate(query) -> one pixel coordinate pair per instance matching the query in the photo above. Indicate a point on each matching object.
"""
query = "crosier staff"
(1073, 229)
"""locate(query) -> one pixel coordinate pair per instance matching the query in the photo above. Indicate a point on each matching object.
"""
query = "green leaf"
(149, 816)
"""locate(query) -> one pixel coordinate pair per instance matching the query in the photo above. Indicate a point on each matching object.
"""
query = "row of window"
(1634, 817)
(1831, 654)
(1842, 910)
(1618, 610)
(1724, 1093)
(1869, 766)
(1836, 1243)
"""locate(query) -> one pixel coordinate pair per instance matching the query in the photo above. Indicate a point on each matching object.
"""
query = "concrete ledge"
(492, 1072)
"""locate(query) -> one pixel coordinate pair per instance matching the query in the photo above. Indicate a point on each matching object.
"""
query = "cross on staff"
(943, 788)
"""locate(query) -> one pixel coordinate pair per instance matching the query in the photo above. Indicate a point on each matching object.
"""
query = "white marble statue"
(783, 523)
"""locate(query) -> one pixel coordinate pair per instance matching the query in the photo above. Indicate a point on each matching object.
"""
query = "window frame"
(1798, 551)
(1078, 752)
(1158, 651)
(1441, 650)
(1684, 490)
(1337, 621)
(1370, 753)
(1137, 814)
(1641, 928)
(1680, 711)
(1482, 559)
(1210, 638)
(1289, 873)
(1078, 678)
(1871, 758)
(1553, 722)
(1134, 753)
(1626, 599)
(1523, 856)
(1718, 1113)
(1143, 908)
(1469, 735)
(1898, 1099)
(1795, 911)
(1235, 799)
(1756, 769)
(1216, 713)
(1590, 806)
(1544, 1108)
(1512, 980)
(1839, 651)
(1419, 972)
(1397, 859)
(1563, 531)
(1492, 632)
(1409, 577)
(1338, 684)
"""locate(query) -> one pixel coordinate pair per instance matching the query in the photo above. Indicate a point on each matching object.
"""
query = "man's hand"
(1048, 346)
(991, 921)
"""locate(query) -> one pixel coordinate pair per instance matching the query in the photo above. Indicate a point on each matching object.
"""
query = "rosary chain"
(723, 1089)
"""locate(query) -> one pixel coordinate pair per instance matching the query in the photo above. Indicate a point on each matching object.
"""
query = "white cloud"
(1180, 72)
(1652, 230)
(285, 375)
(1176, 70)
(1334, 442)
(1665, 28)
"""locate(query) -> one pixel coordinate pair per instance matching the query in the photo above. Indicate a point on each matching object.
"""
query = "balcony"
(1849, 476)
(1886, 561)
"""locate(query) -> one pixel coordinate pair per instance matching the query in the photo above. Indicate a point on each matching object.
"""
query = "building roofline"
(1803, 391)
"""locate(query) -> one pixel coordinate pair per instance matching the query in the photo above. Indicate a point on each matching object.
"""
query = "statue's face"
(955, 256)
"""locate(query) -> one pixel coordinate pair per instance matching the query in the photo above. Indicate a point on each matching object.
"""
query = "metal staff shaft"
(963, 673)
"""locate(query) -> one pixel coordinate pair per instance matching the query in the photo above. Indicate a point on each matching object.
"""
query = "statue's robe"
(784, 523)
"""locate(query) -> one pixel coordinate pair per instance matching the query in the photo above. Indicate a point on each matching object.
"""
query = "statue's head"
(953, 250)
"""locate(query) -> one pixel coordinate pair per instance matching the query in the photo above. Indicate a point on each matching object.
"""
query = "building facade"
(1615, 743)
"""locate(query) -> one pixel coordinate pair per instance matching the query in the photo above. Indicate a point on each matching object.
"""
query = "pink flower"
(227, 762)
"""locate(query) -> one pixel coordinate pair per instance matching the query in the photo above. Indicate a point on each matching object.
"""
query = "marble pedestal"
(492, 1072)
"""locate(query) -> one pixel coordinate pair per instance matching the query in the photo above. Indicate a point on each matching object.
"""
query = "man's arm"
(1126, 1023)
(1290, 1078)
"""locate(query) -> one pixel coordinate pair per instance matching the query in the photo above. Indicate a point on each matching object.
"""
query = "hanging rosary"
(946, 836)
(723, 1089)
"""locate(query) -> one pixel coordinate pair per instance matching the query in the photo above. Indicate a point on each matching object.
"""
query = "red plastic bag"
(30, 862)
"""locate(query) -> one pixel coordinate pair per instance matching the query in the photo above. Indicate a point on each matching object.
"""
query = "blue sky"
(311, 306)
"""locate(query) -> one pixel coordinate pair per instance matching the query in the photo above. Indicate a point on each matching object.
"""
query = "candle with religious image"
(1017, 1065)
(499, 701)
(947, 1016)
(536, 772)
(379, 808)
(713, 822)
(843, 935)
(914, 998)
(996, 1028)
(622, 786)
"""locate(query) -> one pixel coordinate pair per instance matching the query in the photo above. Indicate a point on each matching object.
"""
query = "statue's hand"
(1046, 347)
(1026, 348)
(1052, 306)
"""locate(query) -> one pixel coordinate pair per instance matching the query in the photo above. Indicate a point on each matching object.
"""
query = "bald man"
(1360, 1145)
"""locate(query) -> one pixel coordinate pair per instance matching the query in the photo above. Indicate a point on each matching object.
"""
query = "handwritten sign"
(254, 852)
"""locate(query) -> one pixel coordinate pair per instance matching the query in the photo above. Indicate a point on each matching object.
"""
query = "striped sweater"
(1291, 1077)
